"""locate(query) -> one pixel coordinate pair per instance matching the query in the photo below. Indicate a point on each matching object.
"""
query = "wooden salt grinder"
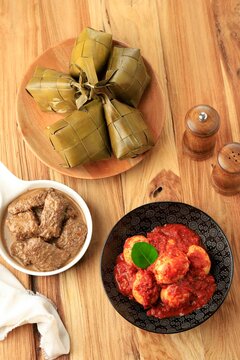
(226, 173)
(202, 123)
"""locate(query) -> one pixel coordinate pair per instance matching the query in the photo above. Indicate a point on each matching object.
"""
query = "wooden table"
(194, 48)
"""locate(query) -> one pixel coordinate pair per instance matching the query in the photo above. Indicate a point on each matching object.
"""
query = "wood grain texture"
(193, 48)
(198, 79)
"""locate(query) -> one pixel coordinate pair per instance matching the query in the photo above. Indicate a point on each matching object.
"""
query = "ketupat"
(90, 44)
(129, 135)
(127, 74)
(52, 90)
(82, 136)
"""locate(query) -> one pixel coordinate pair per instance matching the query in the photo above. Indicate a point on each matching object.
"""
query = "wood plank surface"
(194, 48)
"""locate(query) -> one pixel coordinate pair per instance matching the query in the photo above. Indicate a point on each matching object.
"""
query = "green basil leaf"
(143, 254)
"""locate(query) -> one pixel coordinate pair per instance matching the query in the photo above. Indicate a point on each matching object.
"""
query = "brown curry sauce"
(68, 243)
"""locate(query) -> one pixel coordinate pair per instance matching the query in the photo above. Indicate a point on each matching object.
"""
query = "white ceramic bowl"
(11, 187)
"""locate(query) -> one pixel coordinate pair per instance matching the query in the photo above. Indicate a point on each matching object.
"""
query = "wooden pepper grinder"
(226, 172)
(202, 123)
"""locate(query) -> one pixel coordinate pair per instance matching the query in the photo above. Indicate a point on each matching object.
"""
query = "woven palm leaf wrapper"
(82, 136)
(90, 44)
(129, 134)
(127, 75)
(53, 90)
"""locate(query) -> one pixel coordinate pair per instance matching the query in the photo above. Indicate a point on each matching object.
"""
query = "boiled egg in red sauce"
(177, 283)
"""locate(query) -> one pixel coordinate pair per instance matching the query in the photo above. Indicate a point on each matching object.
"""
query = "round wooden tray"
(32, 121)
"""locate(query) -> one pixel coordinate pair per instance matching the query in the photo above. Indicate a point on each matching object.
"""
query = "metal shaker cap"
(202, 120)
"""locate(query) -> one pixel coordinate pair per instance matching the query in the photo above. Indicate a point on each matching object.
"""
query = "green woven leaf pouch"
(52, 90)
(90, 43)
(82, 136)
(127, 74)
(128, 132)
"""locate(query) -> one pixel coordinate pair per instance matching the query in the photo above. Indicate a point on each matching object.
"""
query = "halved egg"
(127, 248)
(170, 267)
(199, 259)
(145, 289)
(175, 296)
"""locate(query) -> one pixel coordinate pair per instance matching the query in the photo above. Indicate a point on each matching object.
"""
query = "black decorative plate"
(142, 220)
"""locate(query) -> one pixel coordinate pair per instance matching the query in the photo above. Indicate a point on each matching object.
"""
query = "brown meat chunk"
(73, 236)
(71, 212)
(18, 249)
(52, 215)
(23, 225)
(28, 201)
(44, 256)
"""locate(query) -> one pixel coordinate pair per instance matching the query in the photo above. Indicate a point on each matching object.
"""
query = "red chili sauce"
(192, 291)
(183, 236)
(124, 276)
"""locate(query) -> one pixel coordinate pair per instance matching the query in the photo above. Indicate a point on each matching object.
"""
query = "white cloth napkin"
(19, 306)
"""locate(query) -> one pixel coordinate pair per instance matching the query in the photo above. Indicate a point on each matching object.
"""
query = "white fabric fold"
(19, 306)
